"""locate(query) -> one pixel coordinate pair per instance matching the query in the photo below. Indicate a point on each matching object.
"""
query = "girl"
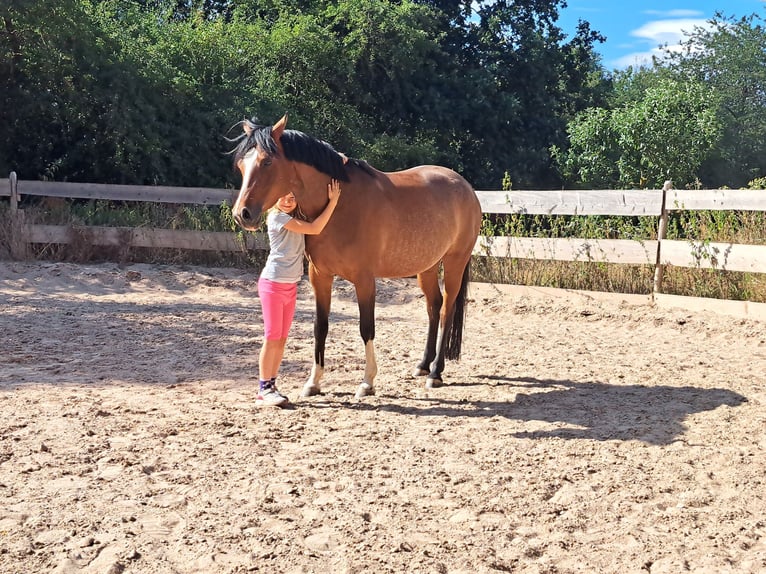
(278, 284)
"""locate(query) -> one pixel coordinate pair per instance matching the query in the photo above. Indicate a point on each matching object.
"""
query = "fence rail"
(659, 253)
(572, 202)
(155, 194)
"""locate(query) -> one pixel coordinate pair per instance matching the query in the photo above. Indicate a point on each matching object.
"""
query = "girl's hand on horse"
(333, 191)
(320, 221)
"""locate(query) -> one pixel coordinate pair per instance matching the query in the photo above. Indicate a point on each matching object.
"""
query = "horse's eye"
(267, 161)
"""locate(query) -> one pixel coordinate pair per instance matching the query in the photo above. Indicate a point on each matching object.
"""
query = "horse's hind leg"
(455, 279)
(322, 285)
(429, 283)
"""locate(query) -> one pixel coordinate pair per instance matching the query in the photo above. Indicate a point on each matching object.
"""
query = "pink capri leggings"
(278, 307)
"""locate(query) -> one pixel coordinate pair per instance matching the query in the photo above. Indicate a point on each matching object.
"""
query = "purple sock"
(266, 384)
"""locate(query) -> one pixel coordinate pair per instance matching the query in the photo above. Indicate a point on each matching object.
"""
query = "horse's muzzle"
(246, 219)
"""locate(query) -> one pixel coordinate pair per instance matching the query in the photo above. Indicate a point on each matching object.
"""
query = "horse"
(407, 223)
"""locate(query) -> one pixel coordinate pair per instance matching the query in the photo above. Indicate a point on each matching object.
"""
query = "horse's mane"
(299, 147)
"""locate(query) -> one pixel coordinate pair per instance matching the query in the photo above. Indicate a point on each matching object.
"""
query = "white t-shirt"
(285, 261)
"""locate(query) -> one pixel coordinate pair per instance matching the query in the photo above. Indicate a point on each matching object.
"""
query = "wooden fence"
(652, 203)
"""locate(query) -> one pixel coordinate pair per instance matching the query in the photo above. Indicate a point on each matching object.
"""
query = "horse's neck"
(312, 197)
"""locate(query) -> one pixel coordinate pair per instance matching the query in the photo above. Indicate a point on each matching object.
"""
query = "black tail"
(455, 335)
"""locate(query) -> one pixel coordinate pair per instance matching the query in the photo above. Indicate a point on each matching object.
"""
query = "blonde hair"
(298, 213)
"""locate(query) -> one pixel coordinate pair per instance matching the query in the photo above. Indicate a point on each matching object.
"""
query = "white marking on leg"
(312, 386)
(370, 370)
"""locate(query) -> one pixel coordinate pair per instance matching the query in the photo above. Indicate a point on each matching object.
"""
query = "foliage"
(90, 96)
(728, 56)
(698, 117)
(521, 82)
(666, 134)
(144, 91)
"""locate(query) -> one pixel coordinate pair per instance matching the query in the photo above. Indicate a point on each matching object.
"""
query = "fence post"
(662, 230)
(14, 192)
(19, 244)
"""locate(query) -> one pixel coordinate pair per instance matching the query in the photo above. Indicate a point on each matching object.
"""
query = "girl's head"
(287, 203)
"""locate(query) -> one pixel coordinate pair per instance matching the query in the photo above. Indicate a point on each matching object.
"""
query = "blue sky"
(634, 28)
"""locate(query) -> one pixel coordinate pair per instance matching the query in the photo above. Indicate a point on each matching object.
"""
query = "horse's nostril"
(245, 214)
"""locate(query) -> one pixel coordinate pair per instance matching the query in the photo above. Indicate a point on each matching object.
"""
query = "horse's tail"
(455, 335)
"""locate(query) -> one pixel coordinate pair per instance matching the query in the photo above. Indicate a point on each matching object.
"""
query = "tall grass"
(129, 214)
(742, 227)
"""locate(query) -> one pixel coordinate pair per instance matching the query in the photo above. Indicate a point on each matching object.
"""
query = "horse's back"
(444, 188)
(431, 178)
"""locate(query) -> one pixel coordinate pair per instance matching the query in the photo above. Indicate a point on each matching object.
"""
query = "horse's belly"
(404, 260)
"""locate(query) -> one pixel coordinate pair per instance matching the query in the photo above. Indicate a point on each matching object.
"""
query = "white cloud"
(666, 32)
(675, 13)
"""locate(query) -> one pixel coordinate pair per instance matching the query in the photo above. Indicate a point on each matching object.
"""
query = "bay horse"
(397, 224)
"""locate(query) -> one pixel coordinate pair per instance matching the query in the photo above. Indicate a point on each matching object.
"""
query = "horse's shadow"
(578, 410)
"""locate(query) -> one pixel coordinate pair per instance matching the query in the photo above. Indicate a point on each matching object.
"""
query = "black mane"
(298, 147)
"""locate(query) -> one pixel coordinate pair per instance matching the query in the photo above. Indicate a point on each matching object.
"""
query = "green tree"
(142, 91)
(92, 94)
(730, 57)
(593, 151)
(520, 84)
(667, 134)
(48, 106)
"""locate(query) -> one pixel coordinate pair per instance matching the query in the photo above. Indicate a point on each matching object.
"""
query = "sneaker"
(270, 397)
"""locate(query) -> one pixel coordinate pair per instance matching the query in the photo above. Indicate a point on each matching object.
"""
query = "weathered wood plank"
(157, 194)
(716, 199)
(550, 202)
(573, 202)
(724, 256)
(147, 237)
(626, 251)
(544, 202)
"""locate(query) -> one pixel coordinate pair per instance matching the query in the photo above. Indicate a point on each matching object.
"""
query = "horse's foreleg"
(365, 296)
(322, 285)
(429, 284)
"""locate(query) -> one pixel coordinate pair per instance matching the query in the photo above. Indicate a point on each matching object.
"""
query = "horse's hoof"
(310, 390)
(364, 390)
(432, 383)
(418, 372)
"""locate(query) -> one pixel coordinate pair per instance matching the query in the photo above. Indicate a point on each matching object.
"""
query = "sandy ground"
(573, 436)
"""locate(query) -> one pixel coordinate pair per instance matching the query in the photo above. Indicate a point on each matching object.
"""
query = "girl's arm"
(315, 227)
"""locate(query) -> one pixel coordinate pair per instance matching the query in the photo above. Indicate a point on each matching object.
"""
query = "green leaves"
(699, 119)
(730, 57)
(666, 134)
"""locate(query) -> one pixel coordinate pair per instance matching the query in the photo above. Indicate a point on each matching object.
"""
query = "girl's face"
(287, 203)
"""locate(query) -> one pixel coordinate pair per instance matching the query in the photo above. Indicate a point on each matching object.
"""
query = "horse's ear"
(247, 127)
(278, 128)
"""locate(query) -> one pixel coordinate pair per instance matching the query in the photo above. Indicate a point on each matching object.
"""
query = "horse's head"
(270, 160)
(265, 175)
